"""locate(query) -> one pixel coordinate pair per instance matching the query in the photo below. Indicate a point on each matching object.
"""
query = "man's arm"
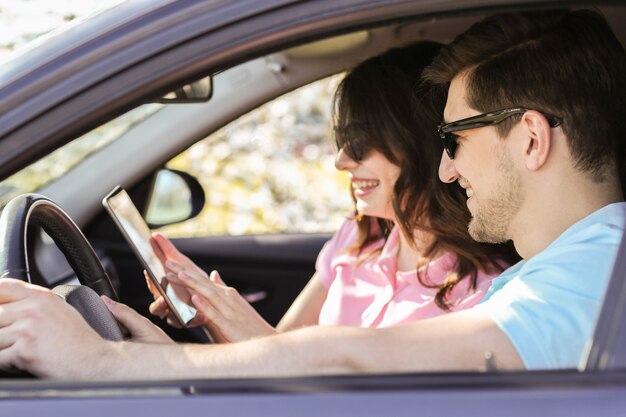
(456, 341)
(54, 341)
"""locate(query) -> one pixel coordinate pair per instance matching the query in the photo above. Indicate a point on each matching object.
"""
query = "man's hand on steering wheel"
(41, 333)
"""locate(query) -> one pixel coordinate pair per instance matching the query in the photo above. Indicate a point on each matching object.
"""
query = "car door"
(561, 392)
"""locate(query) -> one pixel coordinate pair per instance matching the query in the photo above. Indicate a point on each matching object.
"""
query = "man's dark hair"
(565, 63)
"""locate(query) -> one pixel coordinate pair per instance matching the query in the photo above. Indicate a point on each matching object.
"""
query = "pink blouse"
(375, 293)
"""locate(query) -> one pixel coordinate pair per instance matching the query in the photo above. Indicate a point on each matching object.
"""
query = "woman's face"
(372, 181)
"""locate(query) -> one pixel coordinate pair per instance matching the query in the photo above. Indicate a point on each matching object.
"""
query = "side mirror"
(198, 91)
(175, 197)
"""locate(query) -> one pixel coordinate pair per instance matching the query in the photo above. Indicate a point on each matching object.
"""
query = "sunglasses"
(446, 130)
(352, 139)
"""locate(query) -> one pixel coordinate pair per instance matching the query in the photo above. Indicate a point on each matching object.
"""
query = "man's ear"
(538, 141)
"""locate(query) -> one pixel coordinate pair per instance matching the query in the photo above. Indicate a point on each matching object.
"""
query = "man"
(535, 141)
(542, 168)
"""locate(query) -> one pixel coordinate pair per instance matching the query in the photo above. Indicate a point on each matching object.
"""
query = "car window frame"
(607, 349)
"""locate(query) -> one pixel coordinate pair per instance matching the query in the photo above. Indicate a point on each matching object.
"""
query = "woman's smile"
(363, 187)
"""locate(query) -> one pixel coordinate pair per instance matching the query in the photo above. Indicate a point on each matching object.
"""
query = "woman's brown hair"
(382, 105)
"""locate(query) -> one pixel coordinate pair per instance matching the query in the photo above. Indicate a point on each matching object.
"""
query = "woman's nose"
(447, 170)
(343, 161)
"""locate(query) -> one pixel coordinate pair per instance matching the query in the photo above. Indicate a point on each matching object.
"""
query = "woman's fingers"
(202, 287)
(159, 308)
(188, 266)
(174, 266)
(174, 263)
(151, 285)
(164, 245)
(222, 305)
(172, 259)
(156, 241)
(215, 277)
(188, 279)
(208, 310)
(199, 320)
(224, 312)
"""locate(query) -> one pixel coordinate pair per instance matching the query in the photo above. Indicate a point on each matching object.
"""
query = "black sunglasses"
(353, 140)
(486, 119)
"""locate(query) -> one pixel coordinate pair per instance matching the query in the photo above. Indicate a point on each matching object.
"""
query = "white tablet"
(137, 233)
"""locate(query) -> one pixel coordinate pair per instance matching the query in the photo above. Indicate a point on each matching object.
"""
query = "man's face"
(483, 166)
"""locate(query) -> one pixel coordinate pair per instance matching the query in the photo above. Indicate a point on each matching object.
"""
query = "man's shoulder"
(594, 233)
(564, 283)
(606, 223)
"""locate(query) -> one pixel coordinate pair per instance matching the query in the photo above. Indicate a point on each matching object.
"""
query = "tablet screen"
(137, 233)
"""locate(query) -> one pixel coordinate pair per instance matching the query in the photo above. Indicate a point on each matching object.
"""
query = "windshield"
(59, 162)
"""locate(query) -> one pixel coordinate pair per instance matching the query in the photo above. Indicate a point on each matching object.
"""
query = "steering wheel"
(36, 211)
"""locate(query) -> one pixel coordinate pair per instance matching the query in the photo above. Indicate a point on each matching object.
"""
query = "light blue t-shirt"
(548, 305)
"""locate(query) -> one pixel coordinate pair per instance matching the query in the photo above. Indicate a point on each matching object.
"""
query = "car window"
(57, 163)
(270, 171)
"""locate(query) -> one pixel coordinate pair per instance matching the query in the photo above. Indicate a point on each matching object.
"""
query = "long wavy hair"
(382, 105)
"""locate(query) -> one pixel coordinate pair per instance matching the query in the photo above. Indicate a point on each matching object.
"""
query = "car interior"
(270, 268)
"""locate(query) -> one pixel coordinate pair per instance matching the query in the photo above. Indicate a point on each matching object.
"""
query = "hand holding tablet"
(136, 231)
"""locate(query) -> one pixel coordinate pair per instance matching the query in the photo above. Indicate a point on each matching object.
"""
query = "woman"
(406, 254)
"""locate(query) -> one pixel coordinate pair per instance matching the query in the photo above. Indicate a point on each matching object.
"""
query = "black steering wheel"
(29, 211)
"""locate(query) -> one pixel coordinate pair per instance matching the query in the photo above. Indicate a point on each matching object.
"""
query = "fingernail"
(107, 300)
(170, 275)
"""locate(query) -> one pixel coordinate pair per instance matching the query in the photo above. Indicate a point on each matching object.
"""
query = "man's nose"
(343, 161)
(447, 170)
